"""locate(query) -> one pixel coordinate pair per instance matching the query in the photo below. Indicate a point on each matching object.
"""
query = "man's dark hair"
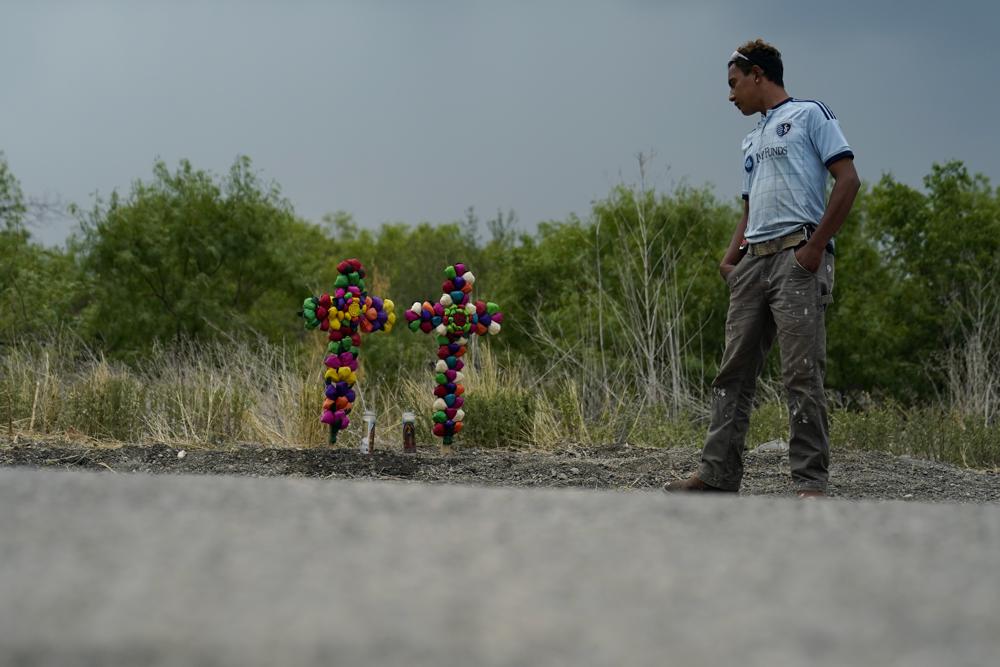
(764, 56)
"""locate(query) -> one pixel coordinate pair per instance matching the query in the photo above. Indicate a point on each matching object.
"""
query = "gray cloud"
(414, 111)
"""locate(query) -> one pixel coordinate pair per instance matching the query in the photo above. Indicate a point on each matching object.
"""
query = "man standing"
(779, 269)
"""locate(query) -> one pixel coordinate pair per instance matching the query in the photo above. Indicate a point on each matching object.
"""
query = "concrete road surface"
(106, 569)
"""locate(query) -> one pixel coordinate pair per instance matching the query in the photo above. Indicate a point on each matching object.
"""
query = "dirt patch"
(854, 474)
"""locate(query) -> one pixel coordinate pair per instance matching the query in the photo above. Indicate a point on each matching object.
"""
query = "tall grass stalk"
(973, 366)
(621, 381)
(653, 303)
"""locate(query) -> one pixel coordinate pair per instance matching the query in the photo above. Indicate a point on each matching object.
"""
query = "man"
(779, 269)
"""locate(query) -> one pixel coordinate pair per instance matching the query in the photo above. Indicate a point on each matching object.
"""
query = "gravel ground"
(854, 474)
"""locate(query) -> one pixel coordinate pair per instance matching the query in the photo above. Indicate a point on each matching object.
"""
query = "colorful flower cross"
(453, 319)
(345, 314)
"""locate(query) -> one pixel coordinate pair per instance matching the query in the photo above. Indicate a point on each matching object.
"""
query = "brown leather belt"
(773, 246)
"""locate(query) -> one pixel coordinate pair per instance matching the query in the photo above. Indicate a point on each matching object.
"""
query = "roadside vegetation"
(171, 317)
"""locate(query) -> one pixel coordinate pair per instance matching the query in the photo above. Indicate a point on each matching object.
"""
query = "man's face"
(742, 91)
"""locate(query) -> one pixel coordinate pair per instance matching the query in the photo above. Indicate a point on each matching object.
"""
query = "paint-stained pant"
(772, 296)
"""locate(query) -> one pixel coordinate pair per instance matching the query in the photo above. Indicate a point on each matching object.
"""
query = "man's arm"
(845, 189)
(733, 254)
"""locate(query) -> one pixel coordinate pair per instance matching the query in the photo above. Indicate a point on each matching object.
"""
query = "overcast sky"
(414, 110)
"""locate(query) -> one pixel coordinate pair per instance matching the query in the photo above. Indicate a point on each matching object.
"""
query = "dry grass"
(211, 396)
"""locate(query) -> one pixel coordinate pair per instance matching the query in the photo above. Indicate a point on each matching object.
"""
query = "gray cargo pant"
(772, 296)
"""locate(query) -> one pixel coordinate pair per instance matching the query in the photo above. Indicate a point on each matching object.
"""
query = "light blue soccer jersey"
(785, 161)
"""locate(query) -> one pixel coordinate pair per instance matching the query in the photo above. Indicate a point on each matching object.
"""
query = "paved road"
(105, 569)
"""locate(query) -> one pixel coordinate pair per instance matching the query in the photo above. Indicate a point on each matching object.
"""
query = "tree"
(629, 299)
(15, 255)
(38, 286)
(937, 247)
(186, 256)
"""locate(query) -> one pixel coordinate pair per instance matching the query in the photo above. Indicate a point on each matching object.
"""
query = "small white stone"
(181, 454)
(772, 446)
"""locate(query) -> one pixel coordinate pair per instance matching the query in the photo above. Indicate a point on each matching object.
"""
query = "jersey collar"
(766, 115)
(781, 103)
